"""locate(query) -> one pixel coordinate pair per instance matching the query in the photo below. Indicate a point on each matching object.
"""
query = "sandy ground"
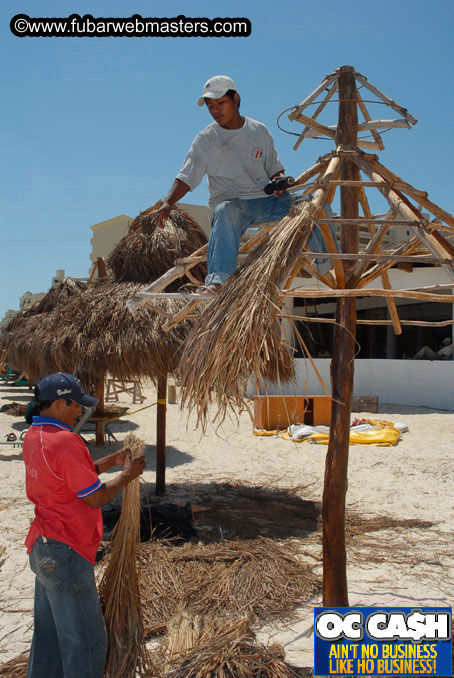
(413, 480)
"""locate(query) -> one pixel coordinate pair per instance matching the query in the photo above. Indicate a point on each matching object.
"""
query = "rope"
(161, 401)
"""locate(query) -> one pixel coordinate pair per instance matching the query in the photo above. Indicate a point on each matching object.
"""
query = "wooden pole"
(335, 488)
(161, 436)
(100, 433)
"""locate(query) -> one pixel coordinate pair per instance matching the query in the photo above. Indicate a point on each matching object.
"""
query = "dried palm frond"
(15, 667)
(59, 294)
(238, 336)
(119, 587)
(147, 251)
(260, 576)
(220, 648)
(90, 331)
(94, 333)
(19, 339)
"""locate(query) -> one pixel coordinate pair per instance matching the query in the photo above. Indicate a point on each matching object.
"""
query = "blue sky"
(96, 127)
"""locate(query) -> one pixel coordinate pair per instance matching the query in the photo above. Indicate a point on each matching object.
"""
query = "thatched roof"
(147, 251)
(93, 332)
(18, 338)
(96, 333)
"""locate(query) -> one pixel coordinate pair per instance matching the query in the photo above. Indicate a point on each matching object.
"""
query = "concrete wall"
(400, 382)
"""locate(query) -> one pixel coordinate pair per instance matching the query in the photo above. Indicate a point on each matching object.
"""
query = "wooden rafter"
(332, 321)
(438, 246)
(402, 111)
(362, 107)
(316, 113)
(392, 308)
(313, 95)
(421, 196)
(421, 294)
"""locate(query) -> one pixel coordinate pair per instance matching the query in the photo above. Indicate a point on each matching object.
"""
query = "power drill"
(280, 184)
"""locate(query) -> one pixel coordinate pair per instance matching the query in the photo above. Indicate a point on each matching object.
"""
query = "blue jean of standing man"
(232, 218)
(70, 638)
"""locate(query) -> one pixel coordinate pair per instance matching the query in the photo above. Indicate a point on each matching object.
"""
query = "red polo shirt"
(59, 473)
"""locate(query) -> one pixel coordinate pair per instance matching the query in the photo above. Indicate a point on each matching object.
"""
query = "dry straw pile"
(119, 587)
(209, 647)
(238, 334)
(260, 576)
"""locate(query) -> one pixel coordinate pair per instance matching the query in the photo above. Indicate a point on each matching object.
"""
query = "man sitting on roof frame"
(238, 156)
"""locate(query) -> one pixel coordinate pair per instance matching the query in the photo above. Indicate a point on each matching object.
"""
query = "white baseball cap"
(216, 87)
(446, 340)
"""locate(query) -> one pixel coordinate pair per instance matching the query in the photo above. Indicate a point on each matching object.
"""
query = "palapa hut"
(19, 339)
(94, 334)
(236, 336)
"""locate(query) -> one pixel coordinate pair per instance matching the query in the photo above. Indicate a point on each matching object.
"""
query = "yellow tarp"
(384, 436)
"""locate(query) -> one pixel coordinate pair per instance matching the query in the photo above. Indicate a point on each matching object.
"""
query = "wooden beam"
(392, 308)
(438, 246)
(161, 436)
(370, 145)
(316, 113)
(319, 166)
(99, 426)
(314, 124)
(402, 111)
(362, 107)
(369, 292)
(335, 592)
(363, 143)
(377, 256)
(364, 221)
(383, 124)
(313, 95)
(326, 278)
(178, 271)
(332, 249)
(378, 234)
(332, 321)
(102, 268)
(181, 315)
(316, 205)
(421, 196)
(378, 270)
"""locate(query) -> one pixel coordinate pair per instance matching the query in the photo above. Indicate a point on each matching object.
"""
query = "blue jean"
(69, 636)
(232, 218)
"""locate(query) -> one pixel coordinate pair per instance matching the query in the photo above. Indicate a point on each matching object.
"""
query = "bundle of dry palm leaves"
(147, 251)
(238, 334)
(212, 647)
(119, 587)
(261, 576)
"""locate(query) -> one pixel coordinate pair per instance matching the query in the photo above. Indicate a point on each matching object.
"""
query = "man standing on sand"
(69, 635)
(238, 155)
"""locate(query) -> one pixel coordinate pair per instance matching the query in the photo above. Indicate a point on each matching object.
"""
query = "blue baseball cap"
(67, 386)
